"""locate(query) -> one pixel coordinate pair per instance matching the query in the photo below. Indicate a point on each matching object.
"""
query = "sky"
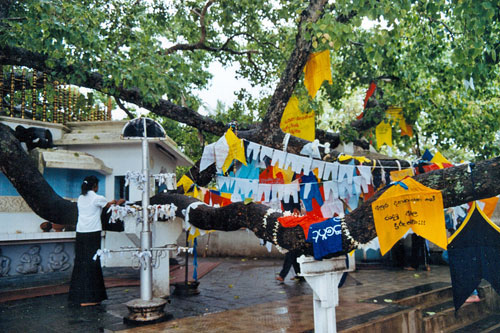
(222, 87)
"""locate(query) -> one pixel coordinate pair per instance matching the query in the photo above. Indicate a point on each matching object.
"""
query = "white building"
(80, 149)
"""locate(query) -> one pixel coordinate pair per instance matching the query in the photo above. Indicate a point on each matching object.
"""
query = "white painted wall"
(16, 222)
(127, 157)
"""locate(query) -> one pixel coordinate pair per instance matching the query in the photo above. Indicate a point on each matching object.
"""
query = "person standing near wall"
(87, 283)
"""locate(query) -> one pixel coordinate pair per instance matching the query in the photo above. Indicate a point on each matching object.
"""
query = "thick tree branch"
(202, 45)
(92, 80)
(457, 185)
(130, 115)
(292, 72)
(22, 172)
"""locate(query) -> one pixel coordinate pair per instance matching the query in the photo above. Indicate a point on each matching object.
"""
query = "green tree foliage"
(436, 59)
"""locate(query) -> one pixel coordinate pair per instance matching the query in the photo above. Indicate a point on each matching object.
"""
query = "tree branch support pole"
(323, 277)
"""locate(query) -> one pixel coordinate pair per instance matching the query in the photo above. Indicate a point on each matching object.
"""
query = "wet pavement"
(239, 295)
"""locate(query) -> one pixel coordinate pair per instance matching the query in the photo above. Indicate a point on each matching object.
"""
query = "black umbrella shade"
(134, 129)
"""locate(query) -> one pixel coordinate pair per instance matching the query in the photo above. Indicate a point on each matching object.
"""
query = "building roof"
(108, 132)
(67, 159)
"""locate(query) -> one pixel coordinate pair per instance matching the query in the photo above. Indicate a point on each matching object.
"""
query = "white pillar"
(323, 277)
(146, 237)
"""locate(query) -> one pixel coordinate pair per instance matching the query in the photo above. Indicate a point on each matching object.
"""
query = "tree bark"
(458, 186)
(23, 173)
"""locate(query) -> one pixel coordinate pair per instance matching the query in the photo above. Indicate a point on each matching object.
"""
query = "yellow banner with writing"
(418, 207)
(296, 122)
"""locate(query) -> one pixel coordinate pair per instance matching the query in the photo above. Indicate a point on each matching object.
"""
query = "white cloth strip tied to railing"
(135, 177)
(142, 257)
(162, 211)
(184, 249)
(120, 212)
(101, 253)
(168, 179)
(155, 212)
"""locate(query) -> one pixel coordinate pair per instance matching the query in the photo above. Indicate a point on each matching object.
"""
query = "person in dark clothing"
(290, 260)
(419, 254)
(291, 256)
(87, 283)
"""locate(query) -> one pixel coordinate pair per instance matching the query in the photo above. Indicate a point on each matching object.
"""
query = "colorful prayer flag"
(418, 207)
(316, 71)
(439, 158)
(383, 133)
(236, 150)
(296, 122)
(185, 182)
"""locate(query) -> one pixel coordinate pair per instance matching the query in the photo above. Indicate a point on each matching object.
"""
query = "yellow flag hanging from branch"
(417, 207)
(383, 133)
(185, 182)
(316, 71)
(296, 122)
(236, 150)
(396, 115)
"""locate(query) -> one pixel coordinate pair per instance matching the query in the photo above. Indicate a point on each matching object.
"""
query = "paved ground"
(238, 295)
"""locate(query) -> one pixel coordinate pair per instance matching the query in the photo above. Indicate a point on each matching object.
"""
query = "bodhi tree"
(436, 59)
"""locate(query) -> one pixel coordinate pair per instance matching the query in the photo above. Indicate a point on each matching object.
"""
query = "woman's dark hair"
(89, 183)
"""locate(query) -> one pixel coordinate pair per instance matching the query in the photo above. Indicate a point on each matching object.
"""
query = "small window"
(121, 191)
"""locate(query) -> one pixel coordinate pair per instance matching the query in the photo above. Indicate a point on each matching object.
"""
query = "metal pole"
(187, 260)
(146, 238)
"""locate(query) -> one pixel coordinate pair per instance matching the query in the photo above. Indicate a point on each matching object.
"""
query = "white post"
(323, 277)
(146, 237)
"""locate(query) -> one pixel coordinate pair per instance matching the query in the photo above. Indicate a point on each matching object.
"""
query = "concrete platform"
(239, 295)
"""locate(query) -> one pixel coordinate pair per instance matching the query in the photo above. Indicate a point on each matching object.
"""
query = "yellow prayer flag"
(195, 233)
(185, 182)
(405, 128)
(396, 115)
(236, 150)
(196, 194)
(418, 207)
(397, 175)
(489, 205)
(439, 158)
(360, 159)
(343, 158)
(383, 134)
(316, 71)
(288, 174)
(296, 122)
